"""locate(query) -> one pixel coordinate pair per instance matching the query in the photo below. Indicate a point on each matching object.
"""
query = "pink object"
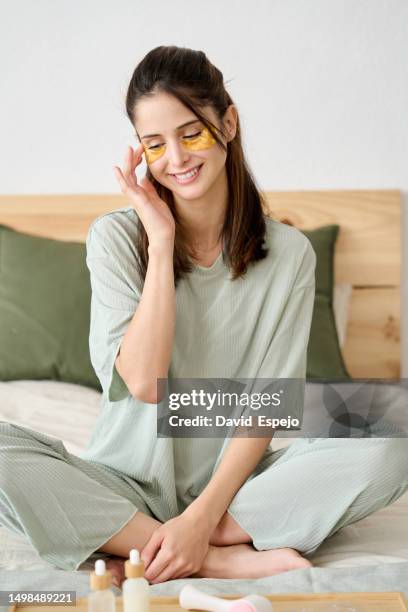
(192, 598)
(242, 606)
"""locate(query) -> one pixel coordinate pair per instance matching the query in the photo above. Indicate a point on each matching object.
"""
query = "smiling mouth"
(187, 176)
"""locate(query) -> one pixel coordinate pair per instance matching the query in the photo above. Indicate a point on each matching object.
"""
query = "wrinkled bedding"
(68, 412)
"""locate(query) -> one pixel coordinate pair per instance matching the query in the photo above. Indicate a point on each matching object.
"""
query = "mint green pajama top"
(254, 327)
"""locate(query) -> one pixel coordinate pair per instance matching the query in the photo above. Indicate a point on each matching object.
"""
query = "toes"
(116, 569)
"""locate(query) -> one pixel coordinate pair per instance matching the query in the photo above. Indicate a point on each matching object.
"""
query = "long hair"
(189, 76)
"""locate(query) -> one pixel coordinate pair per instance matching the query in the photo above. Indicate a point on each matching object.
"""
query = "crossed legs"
(311, 491)
(230, 554)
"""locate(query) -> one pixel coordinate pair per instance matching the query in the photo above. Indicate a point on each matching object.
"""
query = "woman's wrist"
(200, 513)
(160, 246)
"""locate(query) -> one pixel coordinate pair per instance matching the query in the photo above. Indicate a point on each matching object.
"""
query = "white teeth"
(187, 174)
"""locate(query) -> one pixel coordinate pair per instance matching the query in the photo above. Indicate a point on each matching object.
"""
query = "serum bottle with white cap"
(135, 589)
(101, 599)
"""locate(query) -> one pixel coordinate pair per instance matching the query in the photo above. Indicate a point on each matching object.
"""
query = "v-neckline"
(212, 267)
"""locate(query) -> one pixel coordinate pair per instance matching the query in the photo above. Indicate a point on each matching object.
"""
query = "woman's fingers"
(137, 194)
(131, 161)
(137, 155)
(128, 176)
(152, 548)
(143, 194)
(158, 565)
(129, 169)
(121, 180)
(146, 184)
(168, 573)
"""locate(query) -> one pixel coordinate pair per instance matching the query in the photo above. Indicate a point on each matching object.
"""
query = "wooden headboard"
(367, 254)
(368, 257)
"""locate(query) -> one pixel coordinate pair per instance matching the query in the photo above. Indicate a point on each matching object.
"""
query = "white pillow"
(341, 307)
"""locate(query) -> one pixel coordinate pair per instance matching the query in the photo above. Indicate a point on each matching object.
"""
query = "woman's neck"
(203, 218)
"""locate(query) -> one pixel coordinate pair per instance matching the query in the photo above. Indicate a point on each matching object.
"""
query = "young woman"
(191, 280)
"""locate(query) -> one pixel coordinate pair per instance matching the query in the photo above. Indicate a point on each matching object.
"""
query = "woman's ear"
(230, 121)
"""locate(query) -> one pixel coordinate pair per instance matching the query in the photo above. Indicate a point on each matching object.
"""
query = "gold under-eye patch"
(203, 140)
(153, 154)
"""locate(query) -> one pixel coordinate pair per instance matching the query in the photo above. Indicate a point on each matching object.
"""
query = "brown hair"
(190, 77)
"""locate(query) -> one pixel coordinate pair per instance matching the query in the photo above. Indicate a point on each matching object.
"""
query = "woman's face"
(176, 142)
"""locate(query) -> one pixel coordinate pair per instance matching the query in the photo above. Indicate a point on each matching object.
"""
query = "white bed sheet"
(68, 412)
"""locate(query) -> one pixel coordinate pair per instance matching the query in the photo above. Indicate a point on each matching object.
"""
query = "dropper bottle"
(101, 599)
(135, 589)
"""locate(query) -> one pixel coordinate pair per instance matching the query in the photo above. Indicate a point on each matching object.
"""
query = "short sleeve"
(112, 262)
(286, 355)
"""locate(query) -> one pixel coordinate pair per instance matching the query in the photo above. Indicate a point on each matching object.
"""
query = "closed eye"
(193, 135)
(157, 146)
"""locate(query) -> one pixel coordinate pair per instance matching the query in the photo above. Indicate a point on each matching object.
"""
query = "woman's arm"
(146, 347)
(177, 548)
(145, 350)
(241, 457)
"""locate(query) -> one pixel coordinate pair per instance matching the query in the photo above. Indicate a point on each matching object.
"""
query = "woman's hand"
(154, 213)
(182, 543)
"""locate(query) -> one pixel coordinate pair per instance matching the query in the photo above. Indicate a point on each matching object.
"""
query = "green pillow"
(324, 357)
(45, 299)
(44, 309)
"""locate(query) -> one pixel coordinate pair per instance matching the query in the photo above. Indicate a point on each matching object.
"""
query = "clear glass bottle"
(135, 589)
(101, 598)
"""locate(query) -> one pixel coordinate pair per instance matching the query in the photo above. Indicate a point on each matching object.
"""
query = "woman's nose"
(177, 155)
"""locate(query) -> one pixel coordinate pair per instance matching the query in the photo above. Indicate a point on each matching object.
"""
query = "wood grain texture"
(64, 217)
(393, 601)
(367, 253)
(369, 243)
(374, 331)
(368, 257)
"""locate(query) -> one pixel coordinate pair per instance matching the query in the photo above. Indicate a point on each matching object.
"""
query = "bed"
(371, 554)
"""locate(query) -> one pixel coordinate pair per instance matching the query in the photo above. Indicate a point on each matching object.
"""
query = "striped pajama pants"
(297, 497)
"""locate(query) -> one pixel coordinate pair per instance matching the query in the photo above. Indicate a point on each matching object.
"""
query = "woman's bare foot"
(244, 561)
(228, 532)
(116, 566)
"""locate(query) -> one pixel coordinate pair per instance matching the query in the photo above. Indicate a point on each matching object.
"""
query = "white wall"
(321, 86)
